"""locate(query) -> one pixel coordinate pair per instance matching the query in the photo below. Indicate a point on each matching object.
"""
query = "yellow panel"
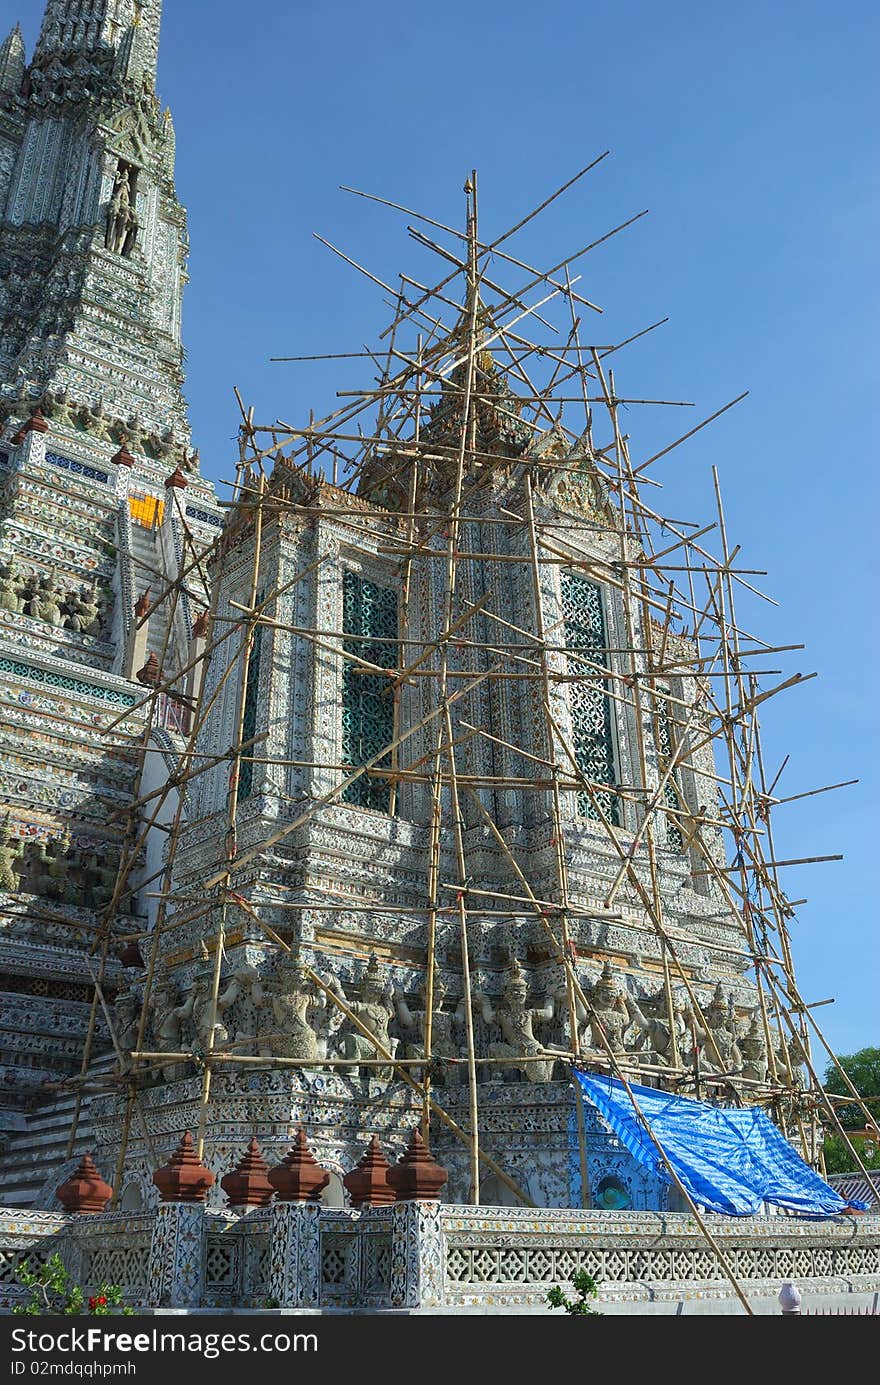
(146, 510)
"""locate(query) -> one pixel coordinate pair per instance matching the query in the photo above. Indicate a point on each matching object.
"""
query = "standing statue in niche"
(167, 1013)
(27, 590)
(83, 609)
(754, 1052)
(164, 447)
(718, 1038)
(62, 411)
(198, 1006)
(10, 852)
(375, 1010)
(126, 1021)
(96, 422)
(55, 860)
(99, 880)
(792, 1053)
(122, 222)
(10, 584)
(134, 434)
(444, 1043)
(516, 1021)
(45, 601)
(295, 1003)
(655, 1032)
(607, 1016)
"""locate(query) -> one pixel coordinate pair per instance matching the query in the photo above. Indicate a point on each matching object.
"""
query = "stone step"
(36, 1152)
(48, 1132)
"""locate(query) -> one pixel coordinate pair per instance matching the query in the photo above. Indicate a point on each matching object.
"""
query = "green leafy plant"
(585, 1288)
(863, 1070)
(52, 1292)
(839, 1160)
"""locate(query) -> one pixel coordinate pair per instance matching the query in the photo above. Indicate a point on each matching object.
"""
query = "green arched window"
(249, 720)
(369, 620)
(591, 714)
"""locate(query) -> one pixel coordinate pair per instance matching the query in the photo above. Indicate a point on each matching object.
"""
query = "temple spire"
(126, 29)
(97, 158)
(12, 63)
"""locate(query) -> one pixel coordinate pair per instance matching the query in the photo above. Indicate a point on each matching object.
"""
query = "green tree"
(863, 1070)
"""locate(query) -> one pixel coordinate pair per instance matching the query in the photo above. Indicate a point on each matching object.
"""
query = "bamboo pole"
(232, 813)
(559, 858)
(467, 439)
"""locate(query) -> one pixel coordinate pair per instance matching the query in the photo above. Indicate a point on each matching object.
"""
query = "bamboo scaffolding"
(702, 681)
(232, 808)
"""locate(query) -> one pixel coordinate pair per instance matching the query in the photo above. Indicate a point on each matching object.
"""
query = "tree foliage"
(839, 1160)
(585, 1288)
(863, 1070)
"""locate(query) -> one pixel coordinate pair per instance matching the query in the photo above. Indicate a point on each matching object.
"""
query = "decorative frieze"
(425, 1257)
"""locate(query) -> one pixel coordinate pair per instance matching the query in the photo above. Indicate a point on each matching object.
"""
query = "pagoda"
(101, 496)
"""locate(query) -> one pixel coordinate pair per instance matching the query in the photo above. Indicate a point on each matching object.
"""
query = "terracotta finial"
(201, 626)
(151, 673)
(130, 955)
(299, 1177)
(367, 1183)
(184, 1178)
(142, 605)
(35, 424)
(123, 457)
(176, 479)
(85, 1190)
(416, 1177)
(248, 1184)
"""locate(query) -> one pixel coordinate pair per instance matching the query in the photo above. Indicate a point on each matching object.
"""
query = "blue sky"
(750, 133)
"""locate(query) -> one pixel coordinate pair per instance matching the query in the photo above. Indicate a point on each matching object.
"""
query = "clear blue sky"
(750, 132)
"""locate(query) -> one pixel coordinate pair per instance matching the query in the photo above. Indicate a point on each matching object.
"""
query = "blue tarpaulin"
(729, 1160)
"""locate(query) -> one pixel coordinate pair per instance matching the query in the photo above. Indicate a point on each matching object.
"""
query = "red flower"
(102, 1301)
(93, 1303)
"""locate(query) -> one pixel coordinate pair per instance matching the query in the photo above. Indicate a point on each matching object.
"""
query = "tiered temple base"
(529, 1129)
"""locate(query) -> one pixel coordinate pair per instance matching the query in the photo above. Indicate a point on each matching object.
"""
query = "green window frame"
(249, 719)
(370, 620)
(589, 703)
(672, 794)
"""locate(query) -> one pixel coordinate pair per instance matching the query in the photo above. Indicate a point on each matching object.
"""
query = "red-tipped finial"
(367, 1183)
(184, 1178)
(151, 673)
(248, 1184)
(299, 1177)
(85, 1190)
(176, 480)
(417, 1177)
(123, 457)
